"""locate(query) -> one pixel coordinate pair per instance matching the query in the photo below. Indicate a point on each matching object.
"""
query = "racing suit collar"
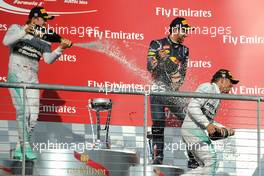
(171, 41)
(216, 88)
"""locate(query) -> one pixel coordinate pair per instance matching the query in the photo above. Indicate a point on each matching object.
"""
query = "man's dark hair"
(179, 23)
(214, 80)
(223, 73)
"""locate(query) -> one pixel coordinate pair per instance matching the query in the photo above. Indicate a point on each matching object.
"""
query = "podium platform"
(67, 163)
(156, 170)
(101, 162)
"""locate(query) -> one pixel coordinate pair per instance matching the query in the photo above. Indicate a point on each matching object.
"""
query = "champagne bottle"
(47, 35)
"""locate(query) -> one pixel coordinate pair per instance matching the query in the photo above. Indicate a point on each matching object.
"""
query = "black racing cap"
(40, 12)
(223, 73)
(180, 22)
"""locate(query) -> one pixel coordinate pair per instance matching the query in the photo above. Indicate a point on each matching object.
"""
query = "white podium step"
(156, 170)
(101, 162)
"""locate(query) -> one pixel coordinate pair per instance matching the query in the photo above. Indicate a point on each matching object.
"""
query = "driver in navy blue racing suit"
(167, 62)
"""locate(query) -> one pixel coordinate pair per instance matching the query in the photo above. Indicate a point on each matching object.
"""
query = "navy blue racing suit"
(167, 62)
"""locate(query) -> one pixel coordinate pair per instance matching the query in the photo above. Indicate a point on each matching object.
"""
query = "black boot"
(157, 144)
(158, 160)
(192, 163)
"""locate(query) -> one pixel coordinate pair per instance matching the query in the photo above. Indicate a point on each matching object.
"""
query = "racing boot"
(17, 154)
(30, 155)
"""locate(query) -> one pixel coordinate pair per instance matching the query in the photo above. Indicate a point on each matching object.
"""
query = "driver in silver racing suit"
(199, 123)
(26, 49)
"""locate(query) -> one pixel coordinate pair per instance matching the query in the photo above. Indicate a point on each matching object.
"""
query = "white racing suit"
(25, 53)
(200, 113)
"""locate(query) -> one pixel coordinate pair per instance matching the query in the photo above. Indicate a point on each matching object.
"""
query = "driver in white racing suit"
(200, 118)
(26, 49)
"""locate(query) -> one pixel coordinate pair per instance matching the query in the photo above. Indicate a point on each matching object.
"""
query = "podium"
(105, 162)
(155, 170)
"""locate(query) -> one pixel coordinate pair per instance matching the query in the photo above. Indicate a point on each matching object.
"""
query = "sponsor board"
(95, 32)
(248, 90)
(3, 27)
(3, 78)
(200, 63)
(83, 2)
(243, 39)
(180, 12)
(18, 7)
(52, 108)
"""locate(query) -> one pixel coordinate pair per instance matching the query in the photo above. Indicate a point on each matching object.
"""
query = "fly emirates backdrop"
(111, 40)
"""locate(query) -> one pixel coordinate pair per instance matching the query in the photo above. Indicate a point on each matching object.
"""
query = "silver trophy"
(101, 105)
